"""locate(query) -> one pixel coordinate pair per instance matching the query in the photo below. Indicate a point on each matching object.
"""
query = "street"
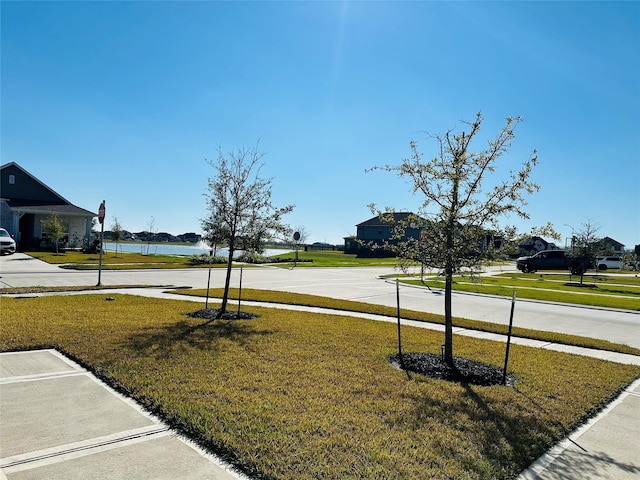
(359, 284)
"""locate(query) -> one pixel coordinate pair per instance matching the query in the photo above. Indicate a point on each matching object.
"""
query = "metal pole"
(101, 249)
(240, 291)
(206, 303)
(399, 331)
(506, 358)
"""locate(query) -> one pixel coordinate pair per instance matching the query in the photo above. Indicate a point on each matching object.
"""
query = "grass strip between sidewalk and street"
(621, 292)
(273, 296)
(299, 395)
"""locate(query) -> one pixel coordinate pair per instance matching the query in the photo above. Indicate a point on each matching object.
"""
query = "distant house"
(26, 202)
(373, 233)
(618, 248)
(536, 244)
(190, 237)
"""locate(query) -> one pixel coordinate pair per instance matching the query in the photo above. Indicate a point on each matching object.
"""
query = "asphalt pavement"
(57, 421)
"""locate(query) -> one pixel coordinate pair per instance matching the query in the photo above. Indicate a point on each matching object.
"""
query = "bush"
(205, 258)
(256, 258)
(289, 260)
(252, 257)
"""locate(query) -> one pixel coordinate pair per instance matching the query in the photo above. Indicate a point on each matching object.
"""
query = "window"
(12, 179)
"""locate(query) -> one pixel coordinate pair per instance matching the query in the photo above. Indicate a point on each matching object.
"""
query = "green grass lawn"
(273, 296)
(620, 291)
(294, 395)
(331, 258)
(111, 261)
(123, 261)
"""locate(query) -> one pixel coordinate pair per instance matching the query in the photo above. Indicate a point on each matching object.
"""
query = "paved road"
(360, 284)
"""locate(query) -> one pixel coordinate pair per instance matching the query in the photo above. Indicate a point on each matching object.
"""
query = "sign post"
(101, 214)
(296, 237)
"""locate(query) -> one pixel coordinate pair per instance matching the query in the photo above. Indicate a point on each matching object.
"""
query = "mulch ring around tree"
(214, 314)
(464, 370)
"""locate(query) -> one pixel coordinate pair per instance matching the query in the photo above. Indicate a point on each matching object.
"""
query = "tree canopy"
(456, 213)
(241, 213)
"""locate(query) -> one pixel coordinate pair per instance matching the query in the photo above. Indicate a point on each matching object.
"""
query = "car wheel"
(526, 268)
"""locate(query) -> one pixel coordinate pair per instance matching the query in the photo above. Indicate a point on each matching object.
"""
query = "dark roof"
(613, 242)
(46, 195)
(49, 201)
(377, 221)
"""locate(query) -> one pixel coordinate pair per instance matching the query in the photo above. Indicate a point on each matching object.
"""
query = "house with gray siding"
(26, 202)
(372, 234)
(616, 247)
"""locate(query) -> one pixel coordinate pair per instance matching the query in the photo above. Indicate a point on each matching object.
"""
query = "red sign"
(101, 212)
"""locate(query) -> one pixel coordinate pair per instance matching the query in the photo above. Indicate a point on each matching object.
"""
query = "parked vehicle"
(7, 243)
(553, 260)
(602, 263)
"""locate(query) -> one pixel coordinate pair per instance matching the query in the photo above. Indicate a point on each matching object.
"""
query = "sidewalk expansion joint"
(86, 447)
(41, 376)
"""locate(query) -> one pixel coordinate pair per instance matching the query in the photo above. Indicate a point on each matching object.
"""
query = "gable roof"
(378, 222)
(27, 194)
(613, 242)
(20, 192)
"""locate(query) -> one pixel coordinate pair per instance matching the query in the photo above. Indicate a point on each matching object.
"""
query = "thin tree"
(240, 208)
(589, 244)
(117, 232)
(512, 239)
(456, 208)
(152, 231)
(53, 228)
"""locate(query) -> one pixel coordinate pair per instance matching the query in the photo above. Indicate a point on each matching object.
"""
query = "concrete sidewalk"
(58, 421)
(606, 447)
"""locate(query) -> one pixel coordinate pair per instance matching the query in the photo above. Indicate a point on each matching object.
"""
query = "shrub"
(205, 258)
(252, 257)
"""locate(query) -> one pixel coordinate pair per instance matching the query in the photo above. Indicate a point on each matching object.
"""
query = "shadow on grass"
(510, 438)
(207, 335)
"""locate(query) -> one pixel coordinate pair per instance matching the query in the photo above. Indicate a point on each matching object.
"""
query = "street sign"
(296, 236)
(101, 212)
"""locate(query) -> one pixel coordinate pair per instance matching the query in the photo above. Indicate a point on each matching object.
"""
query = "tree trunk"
(227, 281)
(448, 317)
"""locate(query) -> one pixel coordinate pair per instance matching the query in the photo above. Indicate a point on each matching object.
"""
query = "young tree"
(512, 239)
(457, 209)
(240, 208)
(588, 244)
(152, 231)
(117, 232)
(53, 228)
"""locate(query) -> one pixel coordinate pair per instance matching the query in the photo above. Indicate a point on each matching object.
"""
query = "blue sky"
(124, 101)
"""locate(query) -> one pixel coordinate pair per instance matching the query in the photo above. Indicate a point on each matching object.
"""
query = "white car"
(7, 243)
(602, 263)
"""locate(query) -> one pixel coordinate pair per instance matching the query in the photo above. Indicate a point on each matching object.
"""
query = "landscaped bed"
(295, 395)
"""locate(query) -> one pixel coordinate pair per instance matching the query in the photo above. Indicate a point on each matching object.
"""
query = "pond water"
(173, 249)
